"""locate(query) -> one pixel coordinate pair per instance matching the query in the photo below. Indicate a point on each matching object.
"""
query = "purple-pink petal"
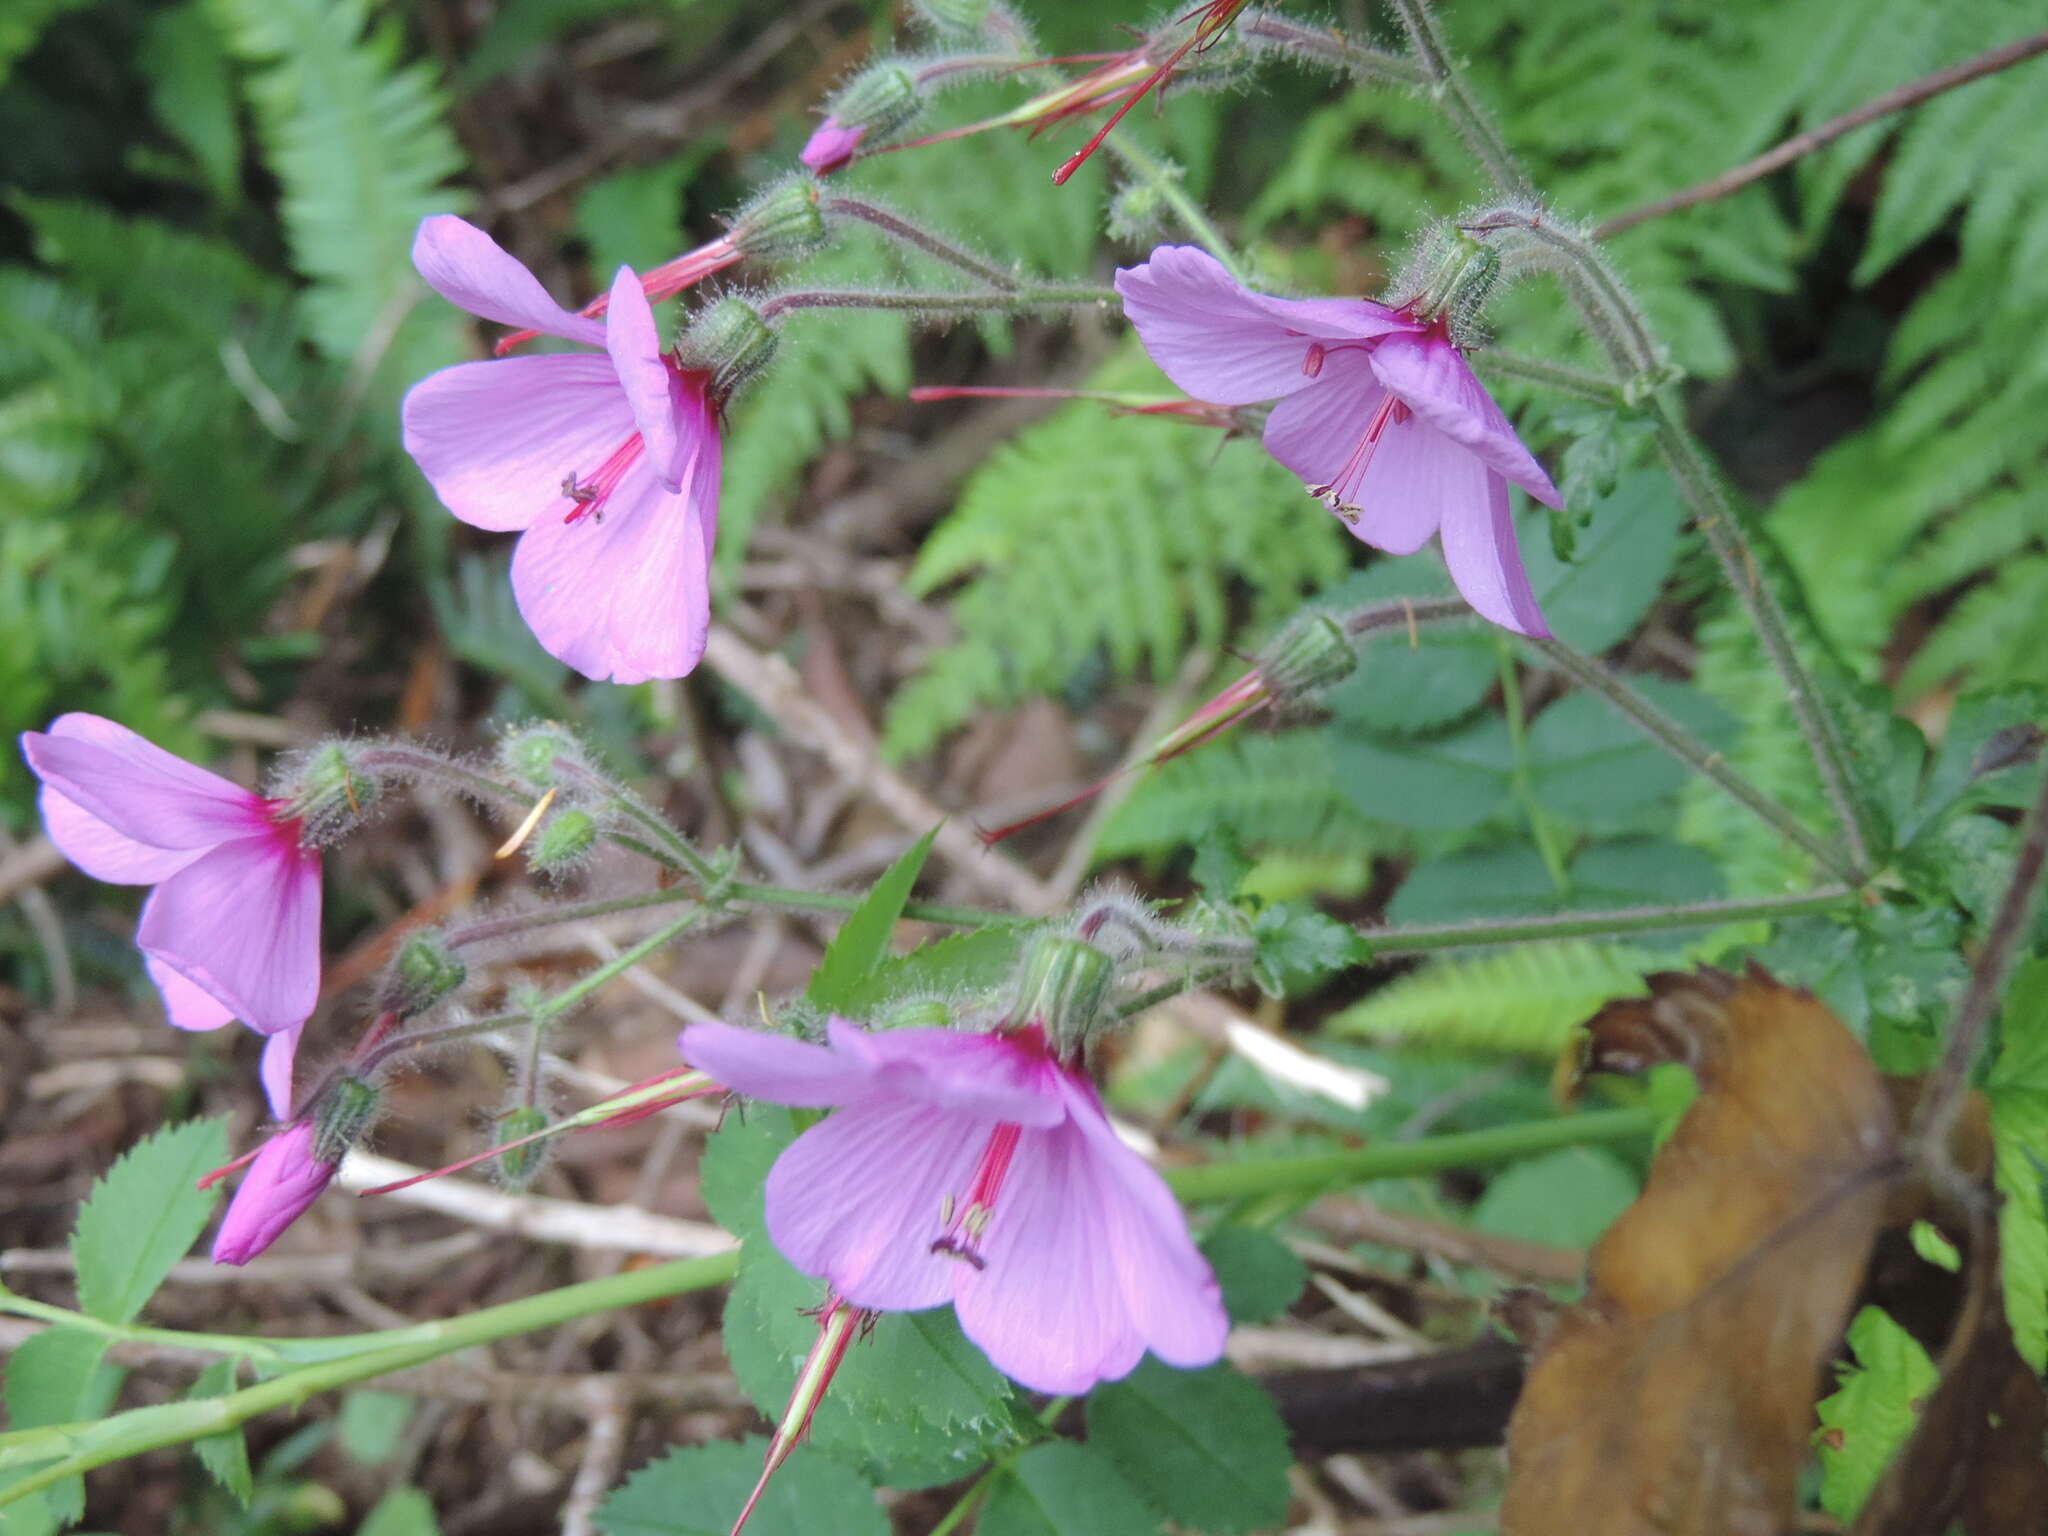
(1429, 376)
(102, 852)
(470, 269)
(831, 145)
(774, 1067)
(1486, 562)
(283, 1181)
(634, 343)
(498, 439)
(982, 1075)
(139, 790)
(860, 1197)
(624, 593)
(243, 925)
(186, 1005)
(1223, 343)
(280, 1053)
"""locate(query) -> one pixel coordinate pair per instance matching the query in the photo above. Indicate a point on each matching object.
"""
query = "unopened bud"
(424, 971)
(731, 342)
(328, 794)
(1458, 280)
(562, 842)
(518, 1165)
(1061, 986)
(783, 222)
(529, 752)
(1136, 212)
(344, 1114)
(1310, 655)
(874, 104)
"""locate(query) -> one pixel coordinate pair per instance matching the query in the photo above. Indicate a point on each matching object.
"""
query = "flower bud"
(424, 971)
(731, 342)
(1454, 277)
(344, 1114)
(518, 1165)
(867, 109)
(328, 793)
(1061, 986)
(562, 843)
(1136, 212)
(287, 1176)
(1310, 655)
(529, 752)
(782, 223)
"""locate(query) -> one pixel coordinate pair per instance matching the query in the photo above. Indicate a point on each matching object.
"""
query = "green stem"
(562, 1001)
(82, 1447)
(1690, 750)
(969, 1501)
(1160, 177)
(1450, 92)
(919, 238)
(1541, 830)
(1402, 1159)
(131, 1333)
(1594, 388)
(1425, 937)
(939, 302)
(1326, 45)
(744, 894)
(1187, 981)
(489, 928)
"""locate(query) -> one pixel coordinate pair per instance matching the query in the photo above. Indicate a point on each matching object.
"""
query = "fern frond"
(1526, 999)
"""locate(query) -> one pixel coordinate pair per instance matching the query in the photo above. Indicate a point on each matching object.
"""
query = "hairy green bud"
(424, 971)
(517, 1166)
(328, 794)
(529, 752)
(782, 222)
(562, 842)
(344, 1115)
(1310, 655)
(1061, 985)
(731, 342)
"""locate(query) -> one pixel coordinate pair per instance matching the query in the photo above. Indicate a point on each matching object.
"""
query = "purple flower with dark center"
(1378, 413)
(606, 462)
(232, 930)
(281, 1183)
(832, 145)
(981, 1170)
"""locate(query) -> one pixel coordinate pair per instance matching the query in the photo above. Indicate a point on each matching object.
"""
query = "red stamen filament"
(587, 497)
(971, 1216)
(1341, 491)
(657, 283)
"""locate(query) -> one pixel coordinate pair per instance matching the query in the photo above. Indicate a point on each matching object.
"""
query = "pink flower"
(232, 930)
(607, 462)
(978, 1169)
(280, 1184)
(1378, 414)
(831, 146)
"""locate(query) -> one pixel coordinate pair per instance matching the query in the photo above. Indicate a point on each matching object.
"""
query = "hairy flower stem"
(1593, 388)
(1675, 739)
(1050, 295)
(335, 1363)
(1330, 47)
(1426, 937)
(1447, 88)
(1405, 1159)
(907, 233)
(486, 929)
(1158, 175)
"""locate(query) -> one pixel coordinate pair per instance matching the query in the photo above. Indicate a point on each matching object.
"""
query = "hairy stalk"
(1328, 46)
(1160, 177)
(1425, 937)
(1690, 750)
(1051, 295)
(399, 761)
(1404, 613)
(912, 235)
(1446, 86)
(486, 929)
(1594, 388)
(1188, 981)
(1942, 1102)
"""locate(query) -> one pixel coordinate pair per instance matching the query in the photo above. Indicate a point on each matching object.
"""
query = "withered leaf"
(1677, 1396)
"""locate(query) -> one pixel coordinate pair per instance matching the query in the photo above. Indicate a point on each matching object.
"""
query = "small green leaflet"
(700, 1490)
(1299, 947)
(1871, 1412)
(1206, 1448)
(1567, 1198)
(225, 1455)
(142, 1217)
(1064, 1489)
(978, 961)
(862, 942)
(1260, 1275)
(57, 1377)
(404, 1511)
(2018, 1090)
(371, 1423)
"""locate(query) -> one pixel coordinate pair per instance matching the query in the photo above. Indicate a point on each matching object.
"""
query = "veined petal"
(860, 1197)
(138, 790)
(498, 439)
(978, 1074)
(1317, 432)
(1486, 562)
(470, 269)
(774, 1067)
(1047, 1305)
(624, 596)
(186, 1006)
(243, 924)
(634, 342)
(1415, 476)
(104, 853)
(1168, 1287)
(1434, 382)
(280, 1184)
(280, 1051)
(1223, 343)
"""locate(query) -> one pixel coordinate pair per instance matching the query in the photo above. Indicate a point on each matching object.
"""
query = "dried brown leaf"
(1677, 1396)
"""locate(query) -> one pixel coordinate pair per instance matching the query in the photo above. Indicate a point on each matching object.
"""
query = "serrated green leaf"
(959, 965)
(1205, 1447)
(1525, 999)
(1260, 1275)
(1455, 780)
(1513, 880)
(1871, 1411)
(404, 1511)
(1566, 1198)
(737, 1157)
(1299, 948)
(143, 1216)
(1593, 767)
(225, 1455)
(1403, 687)
(371, 1423)
(2018, 1091)
(1621, 562)
(863, 939)
(1064, 1489)
(699, 1491)
(60, 1376)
